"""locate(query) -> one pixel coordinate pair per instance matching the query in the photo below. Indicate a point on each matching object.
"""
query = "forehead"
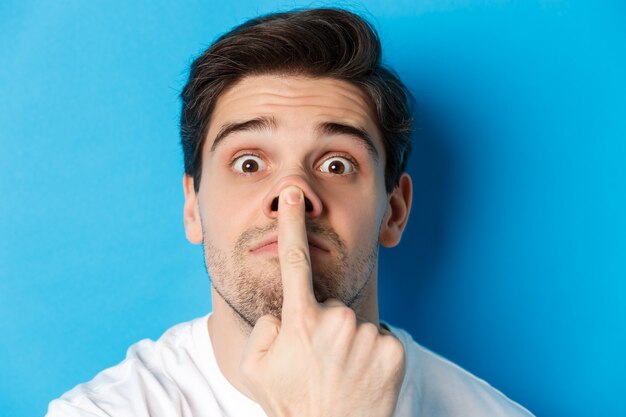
(295, 102)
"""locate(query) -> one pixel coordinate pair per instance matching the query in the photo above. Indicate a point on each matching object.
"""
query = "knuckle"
(346, 314)
(369, 330)
(266, 320)
(333, 302)
(296, 256)
(341, 317)
(393, 349)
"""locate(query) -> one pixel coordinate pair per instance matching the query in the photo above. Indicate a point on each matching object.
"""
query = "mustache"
(326, 233)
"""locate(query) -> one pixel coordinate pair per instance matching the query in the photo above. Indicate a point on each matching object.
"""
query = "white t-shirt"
(178, 375)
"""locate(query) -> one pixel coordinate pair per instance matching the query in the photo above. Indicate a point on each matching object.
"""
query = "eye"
(248, 164)
(337, 165)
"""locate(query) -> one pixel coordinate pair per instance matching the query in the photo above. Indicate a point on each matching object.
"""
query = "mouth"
(269, 245)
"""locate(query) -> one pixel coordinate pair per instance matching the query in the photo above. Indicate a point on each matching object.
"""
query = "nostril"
(308, 206)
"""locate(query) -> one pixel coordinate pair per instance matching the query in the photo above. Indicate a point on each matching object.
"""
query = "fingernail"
(293, 195)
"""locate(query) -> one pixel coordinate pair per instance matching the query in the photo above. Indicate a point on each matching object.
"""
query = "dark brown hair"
(316, 42)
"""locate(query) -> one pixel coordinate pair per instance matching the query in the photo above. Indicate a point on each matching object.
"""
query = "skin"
(278, 310)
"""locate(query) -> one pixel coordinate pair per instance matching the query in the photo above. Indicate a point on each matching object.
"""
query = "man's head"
(295, 99)
(316, 43)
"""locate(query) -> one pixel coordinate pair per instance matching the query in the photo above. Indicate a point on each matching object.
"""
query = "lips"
(271, 242)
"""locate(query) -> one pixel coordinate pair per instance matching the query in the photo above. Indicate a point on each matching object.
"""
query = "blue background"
(513, 265)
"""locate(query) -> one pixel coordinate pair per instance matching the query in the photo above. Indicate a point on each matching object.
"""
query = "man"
(295, 140)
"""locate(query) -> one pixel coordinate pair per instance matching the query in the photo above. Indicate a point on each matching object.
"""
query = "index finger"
(293, 252)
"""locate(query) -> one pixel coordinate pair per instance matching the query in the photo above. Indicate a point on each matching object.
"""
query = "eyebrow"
(334, 128)
(257, 124)
(325, 128)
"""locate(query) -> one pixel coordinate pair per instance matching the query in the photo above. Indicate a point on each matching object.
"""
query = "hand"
(319, 361)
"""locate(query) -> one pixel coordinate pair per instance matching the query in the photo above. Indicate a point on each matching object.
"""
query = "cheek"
(355, 215)
(368, 222)
(228, 209)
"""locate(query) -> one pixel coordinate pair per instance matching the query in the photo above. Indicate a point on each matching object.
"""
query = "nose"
(312, 203)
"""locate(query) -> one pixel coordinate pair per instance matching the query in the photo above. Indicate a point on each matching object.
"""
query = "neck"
(229, 334)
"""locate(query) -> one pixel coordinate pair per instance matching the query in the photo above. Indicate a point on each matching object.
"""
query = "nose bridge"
(312, 202)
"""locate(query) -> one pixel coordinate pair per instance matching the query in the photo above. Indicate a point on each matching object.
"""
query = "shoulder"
(434, 386)
(150, 374)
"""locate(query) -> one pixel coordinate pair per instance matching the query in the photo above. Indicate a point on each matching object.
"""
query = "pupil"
(337, 167)
(250, 165)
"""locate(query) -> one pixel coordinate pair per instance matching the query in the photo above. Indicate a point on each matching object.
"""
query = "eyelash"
(234, 159)
(345, 156)
(334, 155)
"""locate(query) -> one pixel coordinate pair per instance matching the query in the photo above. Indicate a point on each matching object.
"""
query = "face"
(319, 134)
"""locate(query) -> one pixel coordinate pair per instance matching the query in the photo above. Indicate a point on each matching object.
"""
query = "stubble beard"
(252, 287)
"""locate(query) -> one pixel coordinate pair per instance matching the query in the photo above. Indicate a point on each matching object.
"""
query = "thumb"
(260, 340)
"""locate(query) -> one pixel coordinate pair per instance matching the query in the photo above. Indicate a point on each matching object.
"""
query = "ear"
(398, 208)
(191, 212)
